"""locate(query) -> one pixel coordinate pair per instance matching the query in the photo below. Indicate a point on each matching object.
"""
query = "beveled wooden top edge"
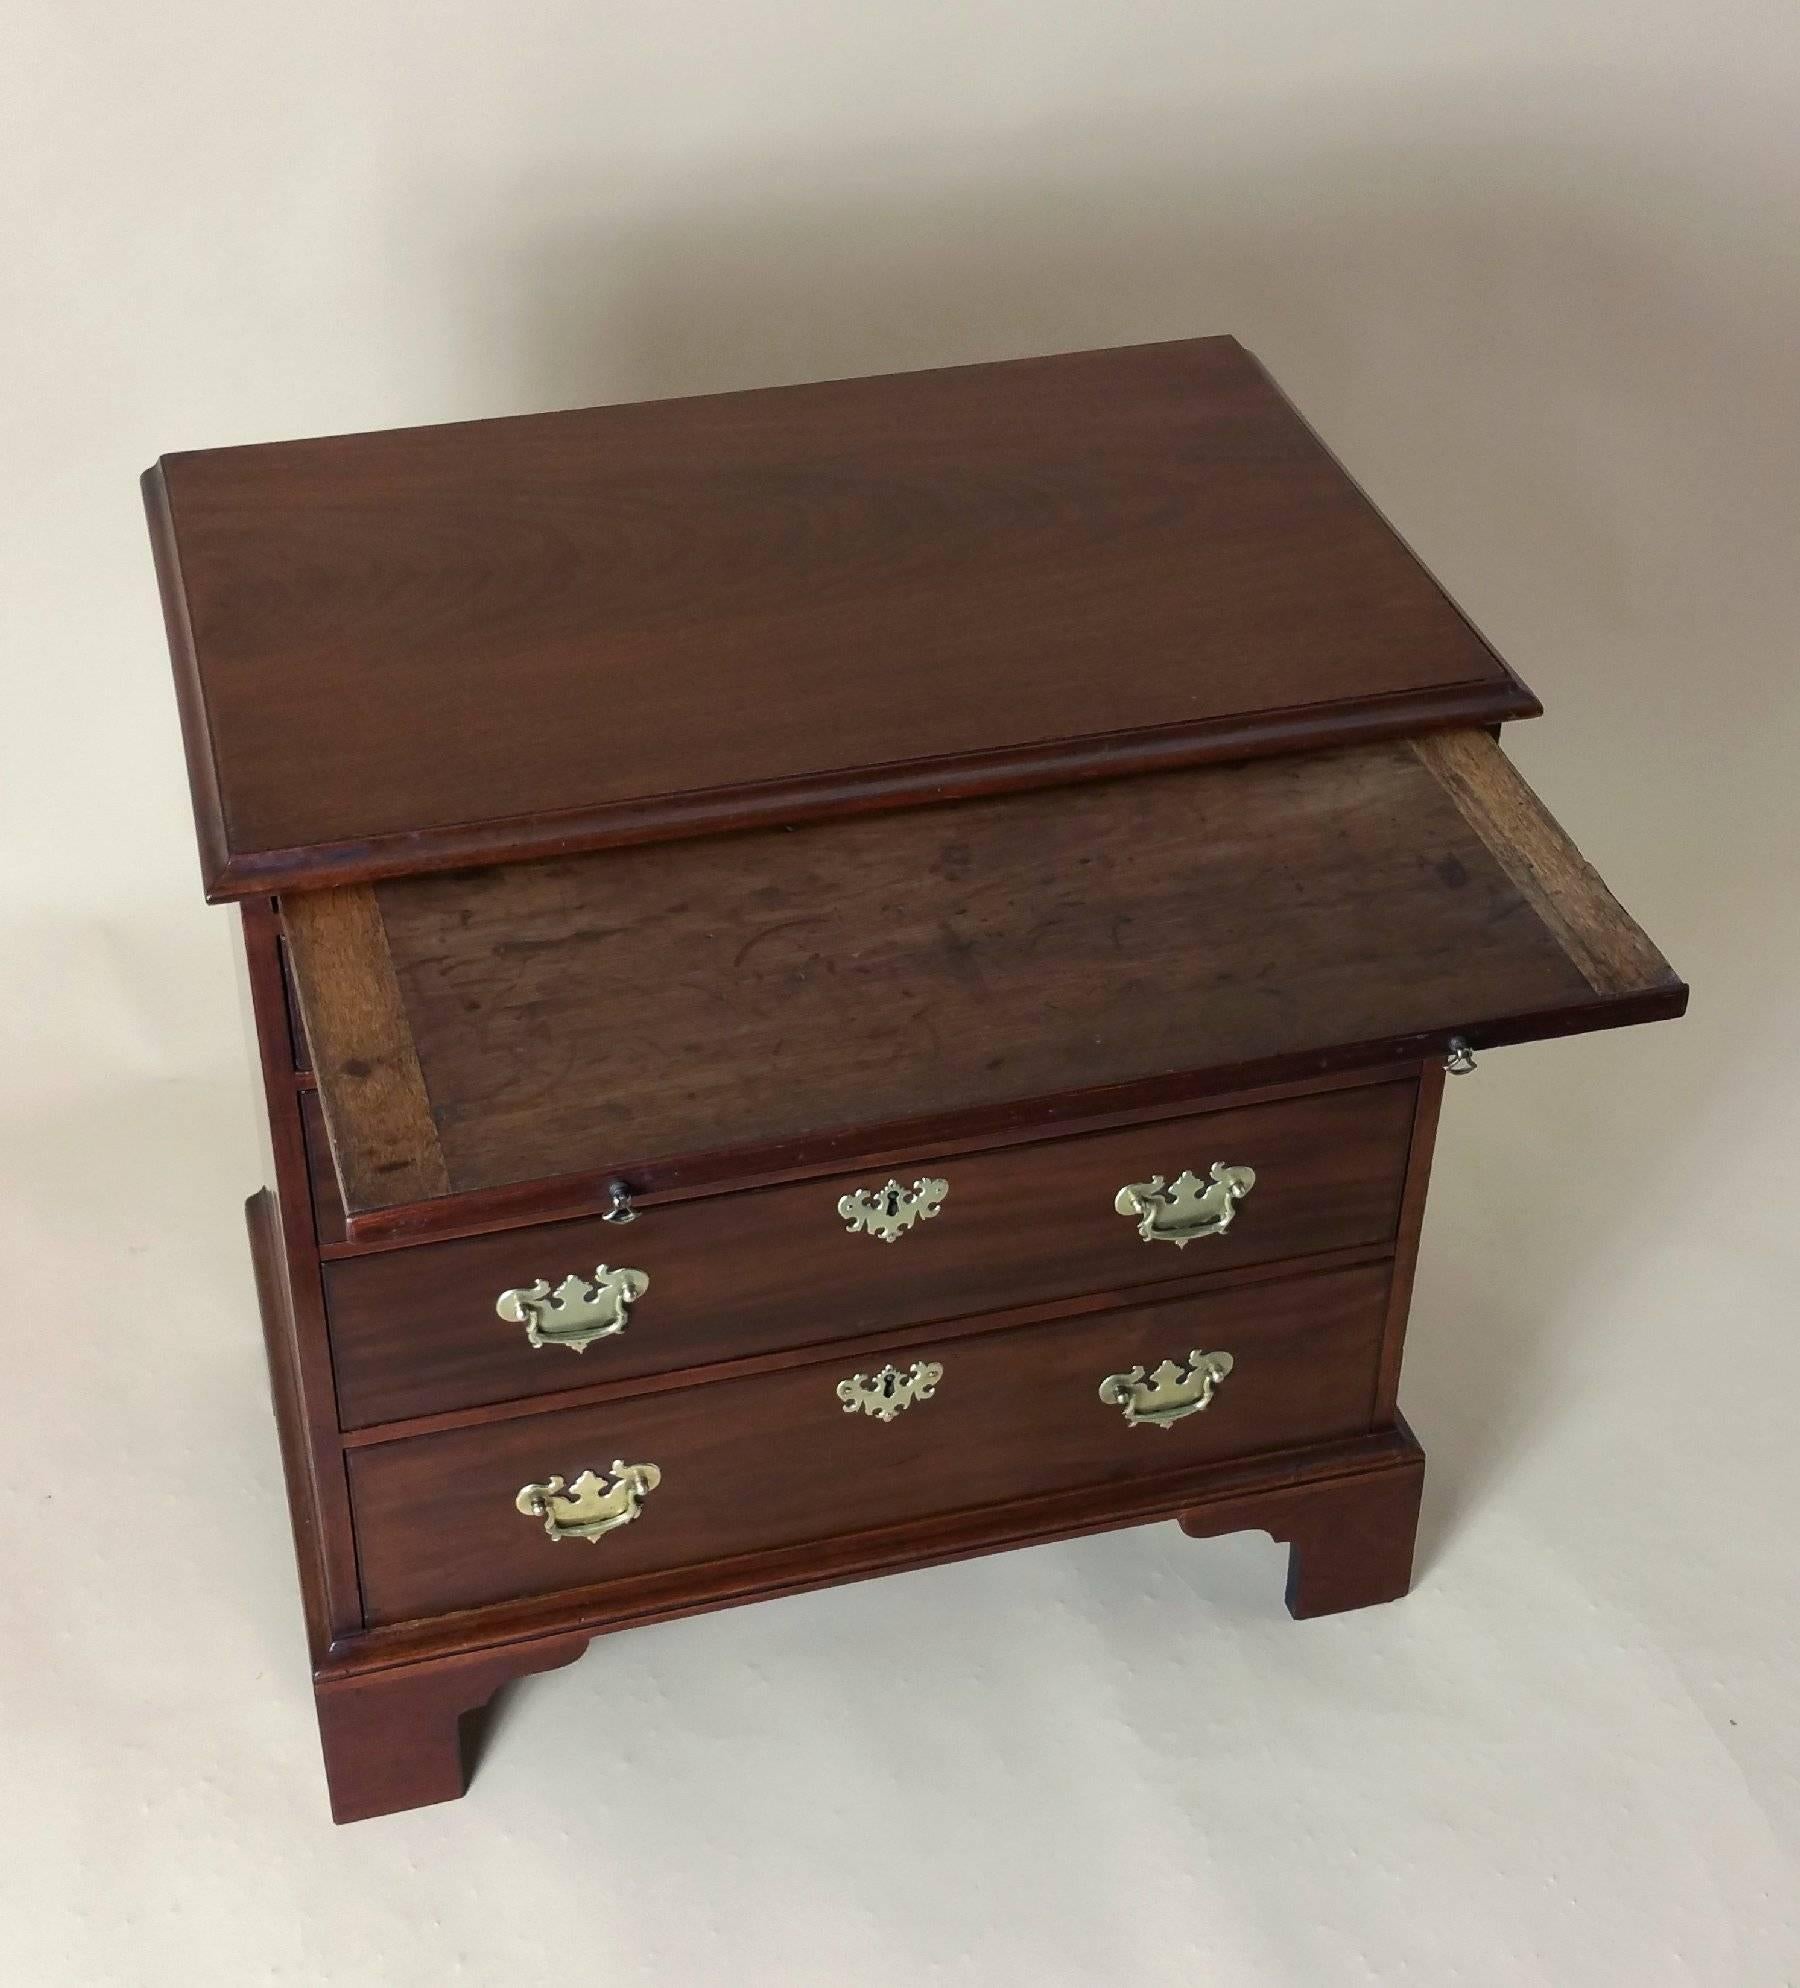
(858, 790)
(1144, 348)
(190, 703)
(256, 838)
(1528, 705)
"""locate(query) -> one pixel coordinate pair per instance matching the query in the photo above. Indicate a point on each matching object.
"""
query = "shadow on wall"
(1552, 365)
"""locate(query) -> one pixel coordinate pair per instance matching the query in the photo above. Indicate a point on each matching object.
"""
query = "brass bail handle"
(596, 1503)
(1159, 1398)
(1186, 1208)
(577, 1311)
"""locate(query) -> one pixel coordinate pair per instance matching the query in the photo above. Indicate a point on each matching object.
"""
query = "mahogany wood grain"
(190, 694)
(1428, 1102)
(619, 1013)
(508, 637)
(577, 1196)
(414, 1332)
(262, 1223)
(1247, 1483)
(1350, 1543)
(775, 1461)
(299, 1351)
(888, 1344)
(328, 1206)
(864, 1149)
(302, 1053)
(394, 1739)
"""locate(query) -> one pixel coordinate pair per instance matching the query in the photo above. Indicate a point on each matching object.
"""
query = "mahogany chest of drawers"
(844, 977)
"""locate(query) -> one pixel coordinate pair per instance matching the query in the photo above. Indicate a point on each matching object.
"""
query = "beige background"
(1531, 268)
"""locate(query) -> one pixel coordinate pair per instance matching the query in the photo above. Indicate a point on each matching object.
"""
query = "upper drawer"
(415, 1331)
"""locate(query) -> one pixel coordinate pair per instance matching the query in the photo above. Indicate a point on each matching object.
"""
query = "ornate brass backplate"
(883, 1395)
(590, 1507)
(1187, 1208)
(1162, 1398)
(888, 1212)
(579, 1310)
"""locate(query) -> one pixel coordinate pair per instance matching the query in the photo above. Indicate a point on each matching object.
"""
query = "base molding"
(1289, 1487)
(391, 1702)
(394, 1739)
(1350, 1539)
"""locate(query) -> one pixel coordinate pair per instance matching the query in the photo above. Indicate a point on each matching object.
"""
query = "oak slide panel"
(1561, 885)
(700, 1012)
(377, 1114)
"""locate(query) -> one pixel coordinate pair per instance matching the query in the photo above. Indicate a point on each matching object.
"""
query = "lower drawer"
(780, 1459)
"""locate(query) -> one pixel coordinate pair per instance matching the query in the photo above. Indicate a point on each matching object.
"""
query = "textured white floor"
(1530, 270)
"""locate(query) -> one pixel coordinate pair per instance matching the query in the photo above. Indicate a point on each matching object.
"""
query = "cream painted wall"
(1532, 270)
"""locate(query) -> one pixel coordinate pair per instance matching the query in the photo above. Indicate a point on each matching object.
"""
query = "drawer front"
(780, 1459)
(328, 1208)
(415, 1331)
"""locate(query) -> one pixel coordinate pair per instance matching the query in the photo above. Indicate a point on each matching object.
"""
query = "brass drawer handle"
(1154, 1401)
(888, 1212)
(1187, 1208)
(580, 1309)
(590, 1507)
(883, 1395)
